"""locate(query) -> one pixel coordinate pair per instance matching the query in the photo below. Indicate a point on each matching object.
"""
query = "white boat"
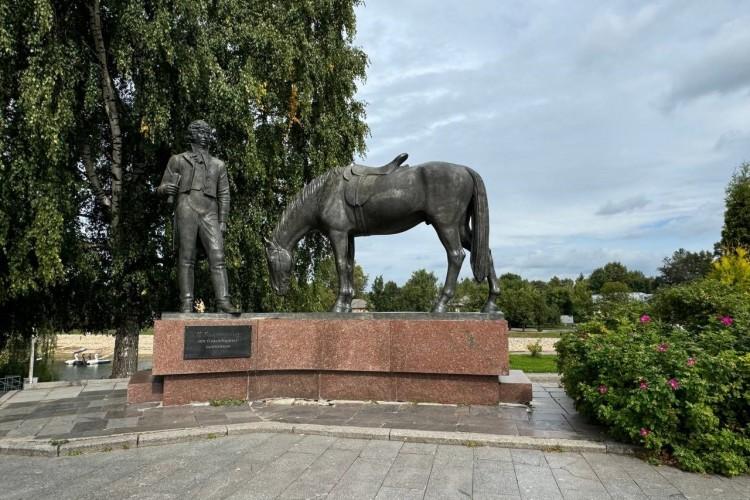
(82, 361)
(76, 361)
(97, 360)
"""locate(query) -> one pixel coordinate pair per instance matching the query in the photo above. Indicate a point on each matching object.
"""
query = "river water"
(65, 372)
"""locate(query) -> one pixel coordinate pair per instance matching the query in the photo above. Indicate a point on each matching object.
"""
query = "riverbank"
(104, 345)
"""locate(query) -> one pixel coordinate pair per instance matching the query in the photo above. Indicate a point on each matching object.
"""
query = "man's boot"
(185, 278)
(221, 289)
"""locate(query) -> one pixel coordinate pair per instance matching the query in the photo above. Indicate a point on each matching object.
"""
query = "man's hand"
(223, 227)
(170, 189)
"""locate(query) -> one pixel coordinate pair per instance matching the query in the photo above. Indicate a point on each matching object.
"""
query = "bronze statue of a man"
(200, 183)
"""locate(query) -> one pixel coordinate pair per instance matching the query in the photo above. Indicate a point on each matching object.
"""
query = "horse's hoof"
(490, 307)
(439, 308)
(338, 308)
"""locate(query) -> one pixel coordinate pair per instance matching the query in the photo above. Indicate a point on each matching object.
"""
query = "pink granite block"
(202, 387)
(515, 388)
(358, 386)
(356, 345)
(284, 384)
(143, 387)
(468, 347)
(285, 344)
(448, 389)
(169, 343)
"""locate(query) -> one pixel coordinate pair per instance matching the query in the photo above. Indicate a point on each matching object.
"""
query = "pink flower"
(663, 347)
(645, 432)
(603, 389)
(645, 318)
(727, 320)
(673, 383)
(691, 361)
(643, 385)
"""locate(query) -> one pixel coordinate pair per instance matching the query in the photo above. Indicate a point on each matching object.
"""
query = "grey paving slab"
(322, 475)
(493, 479)
(381, 449)
(271, 481)
(391, 493)
(448, 481)
(313, 444)
(575, 477)
(29, 427)
(419, 448)
(703, 485)
(350, 444)
(492, 453)
(409, 471)
(453, 455)
(528, 457)
(363, 479)
(611, 473)
(119, 423)
(536, 482)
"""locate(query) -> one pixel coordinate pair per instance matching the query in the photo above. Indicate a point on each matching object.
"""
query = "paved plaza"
(295, 462)
(99, 408)
(297, 466)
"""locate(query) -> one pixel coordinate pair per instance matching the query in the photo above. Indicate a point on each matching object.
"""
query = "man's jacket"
(216, 182)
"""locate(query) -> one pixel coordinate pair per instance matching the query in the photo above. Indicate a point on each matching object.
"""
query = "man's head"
(200, 133)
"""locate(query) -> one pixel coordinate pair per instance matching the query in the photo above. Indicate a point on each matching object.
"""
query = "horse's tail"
(480, 230)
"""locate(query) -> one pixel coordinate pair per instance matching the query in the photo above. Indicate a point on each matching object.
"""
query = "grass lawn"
(546, 363)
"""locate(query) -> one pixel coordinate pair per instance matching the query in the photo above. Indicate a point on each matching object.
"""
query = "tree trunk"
(125, 358)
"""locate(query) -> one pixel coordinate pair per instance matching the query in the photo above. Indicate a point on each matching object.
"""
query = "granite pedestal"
(420, 357)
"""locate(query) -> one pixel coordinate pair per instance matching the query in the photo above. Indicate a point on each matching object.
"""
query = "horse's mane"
(309, 190)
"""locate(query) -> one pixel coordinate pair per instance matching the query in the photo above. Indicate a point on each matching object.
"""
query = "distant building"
(359, 306)
(567, 320)
(635, 296)
(459, 304)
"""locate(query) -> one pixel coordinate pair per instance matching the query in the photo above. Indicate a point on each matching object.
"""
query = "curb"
(74, 383)
(78, 446)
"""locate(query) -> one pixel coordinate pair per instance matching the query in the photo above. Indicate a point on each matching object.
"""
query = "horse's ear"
(266, 240)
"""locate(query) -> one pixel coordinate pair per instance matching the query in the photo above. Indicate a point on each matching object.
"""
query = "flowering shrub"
(680, 390)
(535, 349)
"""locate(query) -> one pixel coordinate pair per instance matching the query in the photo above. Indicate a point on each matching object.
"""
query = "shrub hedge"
(672, 375)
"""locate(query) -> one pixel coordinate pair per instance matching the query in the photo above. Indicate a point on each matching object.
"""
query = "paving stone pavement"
(99, 408)
(291, 466)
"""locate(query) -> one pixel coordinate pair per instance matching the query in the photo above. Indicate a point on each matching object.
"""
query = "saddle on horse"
(360, 181)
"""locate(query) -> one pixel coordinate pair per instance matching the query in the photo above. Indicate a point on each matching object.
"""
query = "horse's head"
(279, 265)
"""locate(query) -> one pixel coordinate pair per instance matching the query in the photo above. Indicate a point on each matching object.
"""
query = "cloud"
(623, 206)
(721, 68)
(560, 107)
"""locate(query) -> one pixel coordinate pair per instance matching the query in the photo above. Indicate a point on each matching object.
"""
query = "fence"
(12, 383)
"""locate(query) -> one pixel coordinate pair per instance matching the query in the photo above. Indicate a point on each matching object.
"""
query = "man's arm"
(222, 196)
(171, 178)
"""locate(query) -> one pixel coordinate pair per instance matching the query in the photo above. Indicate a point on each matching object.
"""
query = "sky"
(604, 131)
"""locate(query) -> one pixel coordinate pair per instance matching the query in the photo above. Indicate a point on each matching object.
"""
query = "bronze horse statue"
(352, 201)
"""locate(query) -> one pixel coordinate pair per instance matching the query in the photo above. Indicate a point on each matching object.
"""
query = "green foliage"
(276, 79)
(736, 230)
(419, 293)
(673, 376)
(733, 268)
(616, 272)
(615, 290)
(685, 266)
(531, 364)
(535, 349)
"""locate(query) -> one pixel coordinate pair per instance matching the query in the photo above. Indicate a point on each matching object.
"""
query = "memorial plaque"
(217, 341)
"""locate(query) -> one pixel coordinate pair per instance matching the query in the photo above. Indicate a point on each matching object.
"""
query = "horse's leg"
(490, 306)
(340, 244)
(451, 240)
(350, 265)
